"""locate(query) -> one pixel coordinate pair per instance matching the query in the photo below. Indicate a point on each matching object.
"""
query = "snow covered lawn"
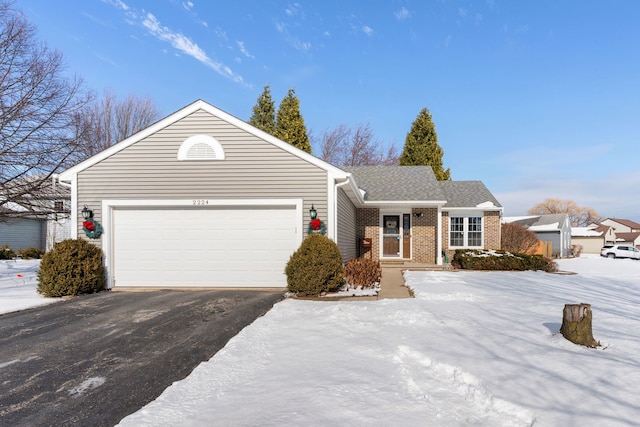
(18, 286)
(473, 348)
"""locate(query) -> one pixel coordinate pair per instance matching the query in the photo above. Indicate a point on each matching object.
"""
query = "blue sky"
(536, 99)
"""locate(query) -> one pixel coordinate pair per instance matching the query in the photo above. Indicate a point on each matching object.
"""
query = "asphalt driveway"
(92, 360)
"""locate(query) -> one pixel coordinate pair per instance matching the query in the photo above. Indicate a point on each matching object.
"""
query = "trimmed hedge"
(72, 267)
(501, 260)
(316, 267)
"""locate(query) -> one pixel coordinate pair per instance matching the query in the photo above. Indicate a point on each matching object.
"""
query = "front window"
(465, 231)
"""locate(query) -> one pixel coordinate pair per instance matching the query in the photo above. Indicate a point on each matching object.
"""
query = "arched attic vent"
(200, 147)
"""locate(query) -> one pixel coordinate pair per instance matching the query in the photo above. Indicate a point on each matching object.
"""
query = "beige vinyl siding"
(252, 169)
(346, 221)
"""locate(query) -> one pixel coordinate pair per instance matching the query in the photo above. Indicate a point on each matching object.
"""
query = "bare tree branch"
(38, 106)
(344, 146)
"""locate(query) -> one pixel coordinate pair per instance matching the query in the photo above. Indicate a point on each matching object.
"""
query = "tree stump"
(576, 325)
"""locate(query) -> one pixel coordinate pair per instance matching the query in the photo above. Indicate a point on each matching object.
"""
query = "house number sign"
(200, 202)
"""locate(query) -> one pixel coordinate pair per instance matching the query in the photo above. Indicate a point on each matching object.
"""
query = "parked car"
(620, 251)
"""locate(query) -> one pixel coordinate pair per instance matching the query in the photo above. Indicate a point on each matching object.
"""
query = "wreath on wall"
(92, 228)
(317, 226)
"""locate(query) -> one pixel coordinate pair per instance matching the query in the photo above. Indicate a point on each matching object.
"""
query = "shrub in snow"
(363, 272)
(72, 267)
(316, 267)
(30, 253)
(516, 238)
(501, 260)
(6, 252)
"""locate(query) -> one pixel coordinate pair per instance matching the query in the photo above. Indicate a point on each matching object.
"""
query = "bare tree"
(344, 146)
(516, 238)
(38, 106)
(108, 121)
(579, 216)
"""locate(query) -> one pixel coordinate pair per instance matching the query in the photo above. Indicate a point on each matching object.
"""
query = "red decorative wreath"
(315, 224)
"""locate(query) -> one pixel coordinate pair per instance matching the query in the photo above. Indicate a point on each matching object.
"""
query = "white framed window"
(200, 147)
(465, 231)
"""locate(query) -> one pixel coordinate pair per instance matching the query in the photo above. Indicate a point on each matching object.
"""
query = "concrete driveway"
(94, 359)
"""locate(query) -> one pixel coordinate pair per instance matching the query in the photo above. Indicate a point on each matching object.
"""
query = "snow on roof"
(585, 232)
(545, 227)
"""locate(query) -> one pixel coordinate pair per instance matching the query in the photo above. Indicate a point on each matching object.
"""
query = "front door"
(391, 236)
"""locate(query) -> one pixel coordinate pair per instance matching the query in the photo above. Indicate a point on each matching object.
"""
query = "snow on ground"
(18, 286)
(473, 348)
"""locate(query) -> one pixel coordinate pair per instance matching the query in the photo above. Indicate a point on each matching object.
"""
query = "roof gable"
(183, 113)
(625, 222)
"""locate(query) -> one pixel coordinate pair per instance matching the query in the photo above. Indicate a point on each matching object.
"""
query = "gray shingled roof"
(398, 183)
(413, 183)
(460, 194)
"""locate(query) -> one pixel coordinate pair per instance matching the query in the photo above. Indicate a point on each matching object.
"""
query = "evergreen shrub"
(315, 267)
(30, 253)
(363, 272)
(72, 267)
(6, 252)
(501, 260)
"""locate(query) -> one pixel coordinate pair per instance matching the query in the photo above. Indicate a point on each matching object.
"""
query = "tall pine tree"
(290, 125)
(264, 112)
(421, 147)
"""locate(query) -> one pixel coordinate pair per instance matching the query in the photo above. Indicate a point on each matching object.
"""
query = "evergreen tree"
(421, 147)
(264, 112)
(290, 125)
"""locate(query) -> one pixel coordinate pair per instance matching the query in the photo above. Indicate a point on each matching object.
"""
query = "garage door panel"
(222, 246)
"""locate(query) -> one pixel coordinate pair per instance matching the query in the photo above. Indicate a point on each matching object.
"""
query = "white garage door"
(197, 247)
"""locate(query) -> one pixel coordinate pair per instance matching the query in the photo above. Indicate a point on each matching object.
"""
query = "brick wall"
(424, 234)
(368, 225)
(492, 230)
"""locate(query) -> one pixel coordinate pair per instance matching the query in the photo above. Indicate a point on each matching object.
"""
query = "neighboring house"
(622, 225)
(203, 199)
(626, 231)
(590, 239)
(632, 239)
(553, 228)
(38, 220)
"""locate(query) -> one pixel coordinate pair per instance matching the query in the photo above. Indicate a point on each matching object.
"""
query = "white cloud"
(185, 45)
(188, 5)
(117, 3)
(462, 12)
(367, 30)
(243, 49)
(402, 14)
(294, 9)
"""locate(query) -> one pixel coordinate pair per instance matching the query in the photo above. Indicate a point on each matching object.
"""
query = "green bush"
(72, 267)
(30, 253)
(316, 267)
(6, 252)
(363, 272)
(501, 260)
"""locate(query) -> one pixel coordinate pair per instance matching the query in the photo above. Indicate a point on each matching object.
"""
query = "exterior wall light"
(312, 212)
(91, 227)
(87, 213)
